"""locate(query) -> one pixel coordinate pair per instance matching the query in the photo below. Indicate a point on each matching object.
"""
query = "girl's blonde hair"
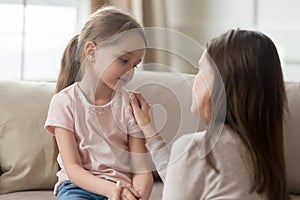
(104, 24)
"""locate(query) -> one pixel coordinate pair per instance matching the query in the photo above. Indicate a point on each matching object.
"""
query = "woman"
(245, 160)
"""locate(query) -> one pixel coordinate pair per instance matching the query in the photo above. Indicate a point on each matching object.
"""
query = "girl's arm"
(142, 174)
(77, 174)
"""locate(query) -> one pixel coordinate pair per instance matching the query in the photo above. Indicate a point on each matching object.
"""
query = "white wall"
(204, 19)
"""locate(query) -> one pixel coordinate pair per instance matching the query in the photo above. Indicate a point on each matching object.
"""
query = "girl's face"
(202, 86)
(117, 62)
(121, 70)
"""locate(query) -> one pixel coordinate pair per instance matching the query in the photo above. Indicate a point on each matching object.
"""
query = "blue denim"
(69, 191)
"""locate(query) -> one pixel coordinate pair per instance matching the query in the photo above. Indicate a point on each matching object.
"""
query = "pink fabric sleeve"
(60, 114)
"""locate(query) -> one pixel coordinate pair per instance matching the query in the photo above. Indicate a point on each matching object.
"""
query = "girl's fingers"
(134, 192)
(116, 193)
(130, 193)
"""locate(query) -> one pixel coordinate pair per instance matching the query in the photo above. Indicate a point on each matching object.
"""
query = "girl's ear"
(90, 51)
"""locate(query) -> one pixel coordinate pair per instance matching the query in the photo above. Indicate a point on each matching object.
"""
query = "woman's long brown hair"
(250, 67)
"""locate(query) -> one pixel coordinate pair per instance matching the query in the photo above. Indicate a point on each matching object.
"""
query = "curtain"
(150, 13)
(95, 4)
(154, 15)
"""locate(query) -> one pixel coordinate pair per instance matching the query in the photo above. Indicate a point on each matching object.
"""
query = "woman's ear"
(90, 51)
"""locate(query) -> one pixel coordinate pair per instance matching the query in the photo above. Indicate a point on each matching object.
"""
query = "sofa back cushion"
(292, 137)
(26, 150)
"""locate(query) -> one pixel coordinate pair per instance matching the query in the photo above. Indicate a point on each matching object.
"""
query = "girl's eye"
(124, 60)
(134, 66)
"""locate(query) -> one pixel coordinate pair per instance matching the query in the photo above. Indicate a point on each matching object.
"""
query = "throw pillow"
(26, 150)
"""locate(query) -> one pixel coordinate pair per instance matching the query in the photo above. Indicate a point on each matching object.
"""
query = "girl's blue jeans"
(69, 191)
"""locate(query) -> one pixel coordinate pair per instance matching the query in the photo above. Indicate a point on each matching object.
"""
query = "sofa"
(27, 159)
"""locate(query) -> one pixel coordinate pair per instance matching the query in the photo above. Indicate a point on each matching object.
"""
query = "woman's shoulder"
(230, 149)
(187, 145)
(203, 142)
(190, 138)
(230, 137)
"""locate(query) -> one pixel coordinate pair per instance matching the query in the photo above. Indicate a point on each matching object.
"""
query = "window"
(278, 19)
(33, 35)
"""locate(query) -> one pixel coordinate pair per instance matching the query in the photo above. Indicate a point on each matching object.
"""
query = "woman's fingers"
(140, 109)
(141, 99)
(144, 105)
(134, 103)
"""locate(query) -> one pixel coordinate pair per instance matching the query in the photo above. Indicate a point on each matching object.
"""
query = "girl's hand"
(141, 109)
(125, 193)
(116, 193)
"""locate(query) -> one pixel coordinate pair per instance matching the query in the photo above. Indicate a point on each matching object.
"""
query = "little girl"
(90, 115)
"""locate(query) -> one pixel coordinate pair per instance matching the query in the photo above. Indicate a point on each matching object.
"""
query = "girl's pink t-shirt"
(101, 132)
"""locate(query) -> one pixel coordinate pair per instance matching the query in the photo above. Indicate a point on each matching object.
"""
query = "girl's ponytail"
(70, 65)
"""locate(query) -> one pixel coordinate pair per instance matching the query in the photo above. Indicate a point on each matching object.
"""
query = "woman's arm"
(160, 153)
(156, 145)
(142, 174)
(186, 175)
(77, 174)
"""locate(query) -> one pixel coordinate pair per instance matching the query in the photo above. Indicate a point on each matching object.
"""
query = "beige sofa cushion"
(25, 149)
(292, 137)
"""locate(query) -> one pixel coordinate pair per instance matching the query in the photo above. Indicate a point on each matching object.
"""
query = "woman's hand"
(141, 109)
(125, 193)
